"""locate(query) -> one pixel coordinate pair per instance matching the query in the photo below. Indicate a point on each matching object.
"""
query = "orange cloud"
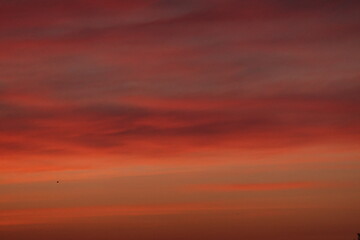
(256, 186)
(33, 216)
(91, 88)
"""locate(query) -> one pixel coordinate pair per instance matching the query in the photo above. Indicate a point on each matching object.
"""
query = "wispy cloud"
(256, 186)
(206, 95)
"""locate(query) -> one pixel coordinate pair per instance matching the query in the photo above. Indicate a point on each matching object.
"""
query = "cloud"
(36, 216)
(256, 187)
(153, 108)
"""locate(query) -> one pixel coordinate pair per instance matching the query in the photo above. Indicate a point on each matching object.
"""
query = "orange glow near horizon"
(179, 119)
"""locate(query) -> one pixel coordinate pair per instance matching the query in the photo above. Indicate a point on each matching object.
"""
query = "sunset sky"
(179, 119)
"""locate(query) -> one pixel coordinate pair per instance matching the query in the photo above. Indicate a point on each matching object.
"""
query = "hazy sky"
(179, 119)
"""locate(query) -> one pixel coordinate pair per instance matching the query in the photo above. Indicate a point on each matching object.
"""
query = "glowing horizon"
(170, 119)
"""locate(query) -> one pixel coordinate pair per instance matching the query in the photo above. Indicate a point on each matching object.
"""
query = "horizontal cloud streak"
(153, 108)
(35, 216)
(256, 187)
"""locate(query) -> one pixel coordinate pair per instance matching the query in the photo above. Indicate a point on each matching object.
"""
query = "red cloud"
(36, 216)
(256, 186)
(87, 86)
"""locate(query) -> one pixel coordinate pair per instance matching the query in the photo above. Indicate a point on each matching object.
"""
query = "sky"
(179, 119)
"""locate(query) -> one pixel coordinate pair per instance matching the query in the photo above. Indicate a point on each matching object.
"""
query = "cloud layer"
(221, 97)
